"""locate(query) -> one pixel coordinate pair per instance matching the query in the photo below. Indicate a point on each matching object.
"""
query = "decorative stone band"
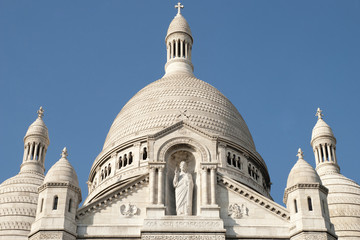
(119, 193)
(184, 237)
(254, 197)
(313, 236)
(19, 199)
(17, 212)
(59, 185)
(52, 235)
(15, 225)
(305, 186)
(18, 189)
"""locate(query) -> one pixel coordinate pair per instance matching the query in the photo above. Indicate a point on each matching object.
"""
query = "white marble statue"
(184, 185)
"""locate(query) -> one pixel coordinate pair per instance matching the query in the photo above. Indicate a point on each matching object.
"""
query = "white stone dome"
(18, 202)
(37, 128)
(344, 205)
(62, 172)
(158, 106)
(179, 24)
(302, 172)
(321, 129)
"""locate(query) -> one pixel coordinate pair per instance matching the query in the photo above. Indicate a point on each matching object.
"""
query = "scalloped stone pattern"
(344, 204)
(179, 24)
(160, 103)
(18, 203)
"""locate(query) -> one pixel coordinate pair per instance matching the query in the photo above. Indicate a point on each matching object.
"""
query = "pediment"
(183, 125)
(246, 196)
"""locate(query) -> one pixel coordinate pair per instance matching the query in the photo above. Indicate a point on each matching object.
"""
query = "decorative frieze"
(237, 211)
(129, 210)
(183, 237)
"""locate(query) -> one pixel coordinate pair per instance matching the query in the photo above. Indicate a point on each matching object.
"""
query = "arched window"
(109, 168)
(125, 160)
(69, 207)
(310, 204)
(295, 206)
(144, 153)
(239, 163)
(106, 172)
(102, 174)
(55, 203)
(41, 205)
(234, 160)
(229, 158)
(130, 158)
(249, 169)
(120, 162)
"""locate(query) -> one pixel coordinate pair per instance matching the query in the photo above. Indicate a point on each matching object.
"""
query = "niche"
(175, 155)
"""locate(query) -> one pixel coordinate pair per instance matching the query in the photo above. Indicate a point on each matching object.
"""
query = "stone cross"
(300, 154)
(40, 113)
(319, 114)
(179, 7)
(64, 153)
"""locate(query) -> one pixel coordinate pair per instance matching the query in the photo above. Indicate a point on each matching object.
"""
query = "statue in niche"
(184, 185)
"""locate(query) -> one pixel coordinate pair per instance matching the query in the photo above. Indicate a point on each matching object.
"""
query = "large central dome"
(173, 98)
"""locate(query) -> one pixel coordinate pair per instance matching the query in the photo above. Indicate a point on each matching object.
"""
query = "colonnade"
(178, 48)
(325, 153)
(33, 150)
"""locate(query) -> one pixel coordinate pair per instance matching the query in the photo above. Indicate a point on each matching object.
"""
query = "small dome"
(302, 172)
(62, 171)
(321, 129)
(179, 24)
(38, 127)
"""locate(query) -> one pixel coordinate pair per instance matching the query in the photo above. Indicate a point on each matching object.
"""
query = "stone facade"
(131, 189)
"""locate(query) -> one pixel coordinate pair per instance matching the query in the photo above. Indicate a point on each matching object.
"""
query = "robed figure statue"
(184, 185)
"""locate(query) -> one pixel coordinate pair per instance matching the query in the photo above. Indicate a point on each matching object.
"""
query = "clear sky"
(277, 61)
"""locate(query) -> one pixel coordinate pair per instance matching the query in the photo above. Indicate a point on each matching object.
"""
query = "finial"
(40, 113)
(319, 114)
(300, 154)
(64, 153)
(179, 7)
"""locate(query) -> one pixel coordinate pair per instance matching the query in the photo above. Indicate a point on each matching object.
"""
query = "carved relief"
(129, 210)
(183, 237)
(237, 211)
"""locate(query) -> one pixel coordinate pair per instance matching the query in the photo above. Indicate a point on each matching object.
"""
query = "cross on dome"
(40, 112)
(64, 153)
(183, 115)
(319, 114)
(300, 154)
(179, 7)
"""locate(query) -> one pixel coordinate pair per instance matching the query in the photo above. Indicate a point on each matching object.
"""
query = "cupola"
(36, 142)
(179, 43)
(323, 143)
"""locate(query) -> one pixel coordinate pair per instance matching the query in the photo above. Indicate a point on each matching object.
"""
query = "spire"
(179, 45)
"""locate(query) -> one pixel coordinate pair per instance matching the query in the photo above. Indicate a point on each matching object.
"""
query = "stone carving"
(129, 210)
(183, 237)
(236, 211)
(184, 186)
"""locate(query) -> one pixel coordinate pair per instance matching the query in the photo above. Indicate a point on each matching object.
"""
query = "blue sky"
(277, 61)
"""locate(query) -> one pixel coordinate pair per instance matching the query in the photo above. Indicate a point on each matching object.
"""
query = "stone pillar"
(152, 184)
(25, 153)
(176, 48)
(181, 48)
(36, 150)
(186, 50)
(319, 154)
(31, 151)
(334, 154)
(213, 184)
(204, 186)
(316, 156)
(41, 153)
(160, 185)
(324, 152)
(329, 152)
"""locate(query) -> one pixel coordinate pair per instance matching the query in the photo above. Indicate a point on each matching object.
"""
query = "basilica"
(178, 163)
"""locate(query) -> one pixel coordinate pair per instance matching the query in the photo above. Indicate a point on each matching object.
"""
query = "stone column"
(176, 48)
(186, 50)
(316, 156)
(181, 48)
(25, 153)
(31, 150)
(213, 184)
(334, 154)
(152, 184)
(204, 186)
(329, 152)
(160, 185)
(319, 154)
(41, 149)
(324, 152)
